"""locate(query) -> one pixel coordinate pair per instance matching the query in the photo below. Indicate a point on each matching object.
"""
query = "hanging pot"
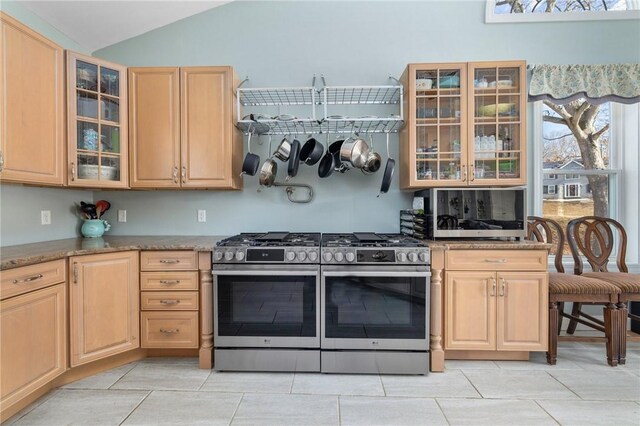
(292, 169)
(284, 150)
(388, 172)
(311, 152)
(374, 161)
(251, 161)
(327, 163)
(354, 151)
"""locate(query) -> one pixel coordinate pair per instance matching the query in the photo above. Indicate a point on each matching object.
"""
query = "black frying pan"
(388, 176)
(294, 159)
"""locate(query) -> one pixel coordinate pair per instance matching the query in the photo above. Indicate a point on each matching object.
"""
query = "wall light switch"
(45, 217)
(202, 215)
(122, 215)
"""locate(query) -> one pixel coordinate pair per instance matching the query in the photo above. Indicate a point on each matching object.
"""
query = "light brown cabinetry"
(104, 305)
(466, 125)
(493, 308)
(33, 333)
(31, 106)
(97, 149)
(169, 299)
(182, 132)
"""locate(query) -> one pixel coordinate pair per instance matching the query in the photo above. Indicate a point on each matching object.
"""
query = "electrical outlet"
(122, 215)
(202, 215)
(45, 217)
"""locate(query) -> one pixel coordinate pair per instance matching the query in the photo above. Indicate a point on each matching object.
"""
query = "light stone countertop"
(486, 245)
(29, 254)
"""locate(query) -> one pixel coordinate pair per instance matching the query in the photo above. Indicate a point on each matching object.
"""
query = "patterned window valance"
(596, 83)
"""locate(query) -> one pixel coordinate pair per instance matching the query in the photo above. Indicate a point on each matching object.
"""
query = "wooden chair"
(593, 237)
(578, 290)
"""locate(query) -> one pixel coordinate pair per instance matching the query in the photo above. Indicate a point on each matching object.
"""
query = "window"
(552, 176)
(572, 190)
(572, 177)
(500, 11)
(551, 189)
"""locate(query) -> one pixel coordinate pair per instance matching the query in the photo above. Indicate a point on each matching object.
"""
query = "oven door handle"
(375, 274)
(307, 273)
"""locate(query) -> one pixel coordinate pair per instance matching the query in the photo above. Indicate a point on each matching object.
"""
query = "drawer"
(28, 278)
(168, 260)
(169, 329)
(168, 281)
(496, 260)
(169, 300)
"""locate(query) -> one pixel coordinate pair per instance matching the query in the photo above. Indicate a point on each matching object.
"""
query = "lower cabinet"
(104, 305)
(33, 342)
(496, 309)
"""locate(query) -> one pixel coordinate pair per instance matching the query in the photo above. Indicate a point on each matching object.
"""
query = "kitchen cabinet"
(97, 147)
(182, 132)
(104, 305)
(501, 306)
(31, 106)
(466, 125)
(33, 337)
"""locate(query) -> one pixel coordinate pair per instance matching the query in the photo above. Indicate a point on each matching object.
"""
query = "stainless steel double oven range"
(336, 303)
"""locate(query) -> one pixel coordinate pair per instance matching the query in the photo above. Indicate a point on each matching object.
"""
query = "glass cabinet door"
(97, 122)
(497, 142)
(439, 122)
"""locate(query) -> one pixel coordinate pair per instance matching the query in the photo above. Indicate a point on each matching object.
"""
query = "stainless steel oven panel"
(268, 341)
(372, 271)
(267, 360)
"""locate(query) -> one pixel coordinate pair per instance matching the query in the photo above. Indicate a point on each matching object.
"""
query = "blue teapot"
(94, 228)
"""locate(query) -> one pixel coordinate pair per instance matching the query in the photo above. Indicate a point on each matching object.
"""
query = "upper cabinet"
(31, 106)
(97, 122)
(181, 128)
(466, 125)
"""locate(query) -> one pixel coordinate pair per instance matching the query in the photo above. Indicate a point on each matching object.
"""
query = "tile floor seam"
(570, 390)
(472, 384)
(292, 382)
(384, 390)
(339, 414)
(446, 419)
(205, 381)
(548, 413)
(134, 408)
(122, 377)
(236, 410)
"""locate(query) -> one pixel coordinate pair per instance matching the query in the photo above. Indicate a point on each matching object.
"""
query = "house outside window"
(502, 11)
(572, 190)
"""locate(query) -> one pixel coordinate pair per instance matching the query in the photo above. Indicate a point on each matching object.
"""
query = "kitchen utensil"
(292, 169)
(311, 152)
(374, 161)
(268, 171)
(89, 209)
(103, 206)
(388, 172)
(251, 161)
(338, 165)
(327, 164)
(284, 150)
(354, 151)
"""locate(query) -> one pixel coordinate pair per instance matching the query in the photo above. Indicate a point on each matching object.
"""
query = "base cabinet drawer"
(28, 278)
(169, 329)
(168, 260)
(496, 260)
(168, 281)
(169, 300)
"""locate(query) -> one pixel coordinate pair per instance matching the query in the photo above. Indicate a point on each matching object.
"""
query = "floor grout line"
(339, 413)
(570, 390)
(236, 410)
(548, 413)
(472, 384)
(135, 408)
(446, 419)
(205, 381)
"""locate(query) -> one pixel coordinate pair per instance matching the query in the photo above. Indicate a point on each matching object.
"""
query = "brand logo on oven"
(264, 254)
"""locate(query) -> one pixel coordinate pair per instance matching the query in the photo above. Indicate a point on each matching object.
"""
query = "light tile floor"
(579, 390)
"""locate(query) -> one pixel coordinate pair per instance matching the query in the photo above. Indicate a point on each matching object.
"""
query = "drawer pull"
(169, 261)
(503, 287)
(28, 279)
(493, 287)
(169, 282)
(170, 330)
(496, 260)
(170, 302)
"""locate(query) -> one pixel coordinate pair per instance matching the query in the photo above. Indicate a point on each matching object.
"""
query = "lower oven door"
(266, 306)
(375, 307)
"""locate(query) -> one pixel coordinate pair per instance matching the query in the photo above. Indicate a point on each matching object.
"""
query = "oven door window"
(375, 307)
(267, 306)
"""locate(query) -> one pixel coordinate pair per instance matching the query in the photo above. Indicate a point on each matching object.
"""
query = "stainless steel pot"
(354, 151)
(284, 150)
(268, 172)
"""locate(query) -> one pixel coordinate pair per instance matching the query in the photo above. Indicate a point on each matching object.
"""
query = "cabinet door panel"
(31, 105)
(522, 311)
(104, 305)
(33, 342)
(470, 313)
(154, 123)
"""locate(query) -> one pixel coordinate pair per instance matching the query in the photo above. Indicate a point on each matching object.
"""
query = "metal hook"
(395, 79)
(324, 82)
(243, 82)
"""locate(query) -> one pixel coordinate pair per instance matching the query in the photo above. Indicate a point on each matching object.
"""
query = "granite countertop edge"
(30, 254)
(487, 245)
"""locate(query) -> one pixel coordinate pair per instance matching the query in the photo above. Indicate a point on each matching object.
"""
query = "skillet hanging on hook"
(388, 171)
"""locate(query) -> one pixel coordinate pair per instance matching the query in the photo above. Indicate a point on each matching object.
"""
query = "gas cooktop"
(272, 239)
(368, 239)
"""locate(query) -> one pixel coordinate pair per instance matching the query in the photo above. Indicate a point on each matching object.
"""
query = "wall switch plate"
(202, 215)
(122, 215)
(45, 217)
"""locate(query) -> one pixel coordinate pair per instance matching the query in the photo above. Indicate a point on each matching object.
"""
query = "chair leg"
(575, 311)
(622, 333)
(611, 330)
(552, 351)
(560, 318)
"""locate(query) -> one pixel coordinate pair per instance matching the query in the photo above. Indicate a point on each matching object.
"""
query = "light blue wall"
(285, 43)
(20, 205)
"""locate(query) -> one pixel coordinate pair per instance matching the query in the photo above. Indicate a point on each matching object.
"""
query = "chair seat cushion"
(579, 284)
(628, 283)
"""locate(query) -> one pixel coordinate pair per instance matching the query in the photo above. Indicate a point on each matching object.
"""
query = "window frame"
(549, 191)
(567, 187)
(507, 18)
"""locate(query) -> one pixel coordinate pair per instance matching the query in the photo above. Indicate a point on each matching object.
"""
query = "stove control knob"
(239, 255)
(327, 256)
(228, 255)
(423, 257)
(302, 256)
(401, 257)
(350, 257)
(313, 256)
(413, 257)
(219, 255)
(339, 257)
(291, 256)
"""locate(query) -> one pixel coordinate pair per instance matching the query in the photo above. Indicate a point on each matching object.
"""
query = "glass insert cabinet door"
(97, 128)
(497, 107)
(439, 121)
